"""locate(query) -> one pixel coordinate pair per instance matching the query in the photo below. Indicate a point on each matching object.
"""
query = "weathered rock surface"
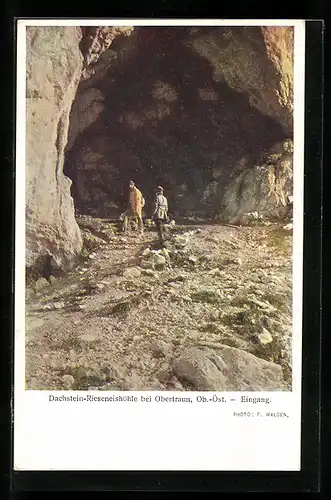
(54, 69)
(264, 189)
(255, 61)
(227, 369)
(54, 65)
(86, 108)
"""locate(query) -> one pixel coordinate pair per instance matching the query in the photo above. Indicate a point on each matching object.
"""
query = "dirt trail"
(114, 323)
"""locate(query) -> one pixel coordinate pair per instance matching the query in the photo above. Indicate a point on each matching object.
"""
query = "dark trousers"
(160, 229)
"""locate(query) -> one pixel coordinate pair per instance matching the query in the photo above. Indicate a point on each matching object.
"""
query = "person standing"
(135, 207)
(160, 214)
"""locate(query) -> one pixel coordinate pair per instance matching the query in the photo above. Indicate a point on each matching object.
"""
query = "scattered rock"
(119, 372)
(133, 383)
(146, 252)
(163, 376)
(132, 272)
(193, 259)
(159, 262)
(147, 264)
(68, 381)
(214, 272)
(181, 241)
(186, 298)
(32, 323)
(175, 383)
(33, 384)
(161, 349)
(237, 261)
(53, 279)
(165, 253)
(40, 284)
(47, 307)
(149, 272)
(227, 369)
(265, 337)
(88, 339)
(289, 226)
(59, 305)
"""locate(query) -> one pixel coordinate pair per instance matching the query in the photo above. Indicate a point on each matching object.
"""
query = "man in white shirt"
(160, 214)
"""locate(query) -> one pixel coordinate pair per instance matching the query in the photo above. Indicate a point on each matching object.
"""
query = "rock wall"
(263, 189)
(56, 58)
(255, 61)
(54, 65)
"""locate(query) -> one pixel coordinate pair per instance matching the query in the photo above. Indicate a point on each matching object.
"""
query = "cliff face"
(191, 108)
(55, 62)
(257, 62)
(54, 65)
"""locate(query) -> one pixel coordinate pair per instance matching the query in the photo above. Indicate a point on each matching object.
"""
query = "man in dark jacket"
(160, 214)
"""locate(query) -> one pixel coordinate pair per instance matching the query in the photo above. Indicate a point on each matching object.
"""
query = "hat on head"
(160, 188)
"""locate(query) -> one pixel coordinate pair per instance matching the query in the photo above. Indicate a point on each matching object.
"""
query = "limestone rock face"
(264, 189)
(256, 61)
(87, 107)
(54, 65)
(56, 59)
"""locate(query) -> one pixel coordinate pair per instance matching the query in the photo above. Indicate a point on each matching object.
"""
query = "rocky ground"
(211, 311)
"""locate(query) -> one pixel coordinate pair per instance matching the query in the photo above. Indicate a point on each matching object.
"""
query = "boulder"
(227, 369)
(159, 261)
(132, 272)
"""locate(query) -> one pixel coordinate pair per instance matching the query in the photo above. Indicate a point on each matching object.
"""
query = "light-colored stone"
(88, 338)
(214, 272)
(238, 261)
(265, 337)
(289, 226)
(149, 272)
(159, 261)
(147, 264)
(132, 272)
(146, 252)
(181, 241)
(68, 381)
(227, 369)
(59, 305)
(40, 284)
(161, 349)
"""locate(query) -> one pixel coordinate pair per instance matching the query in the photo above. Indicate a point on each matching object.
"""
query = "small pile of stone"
(155, 259)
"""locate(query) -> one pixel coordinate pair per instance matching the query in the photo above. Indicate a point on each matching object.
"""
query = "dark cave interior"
(165, 121)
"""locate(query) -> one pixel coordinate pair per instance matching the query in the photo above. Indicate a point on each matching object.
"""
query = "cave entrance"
(157, 116)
